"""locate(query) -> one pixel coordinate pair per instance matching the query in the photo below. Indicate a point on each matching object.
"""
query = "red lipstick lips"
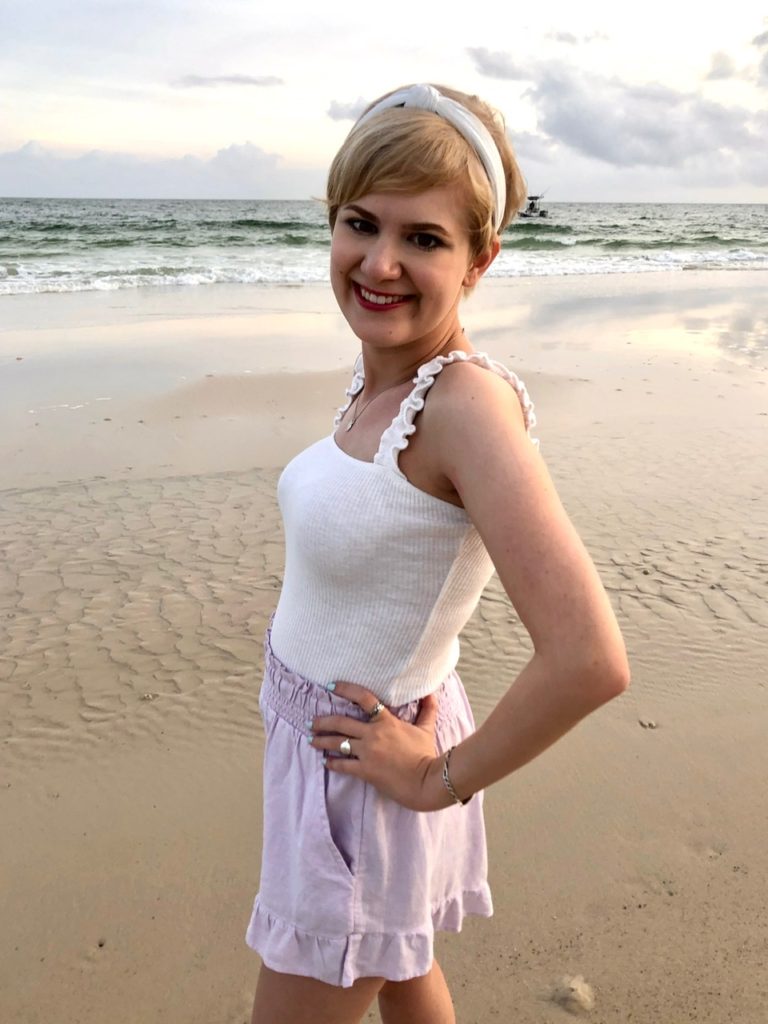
(378, 302)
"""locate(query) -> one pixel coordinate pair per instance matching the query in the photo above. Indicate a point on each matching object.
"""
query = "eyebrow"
(419, 226)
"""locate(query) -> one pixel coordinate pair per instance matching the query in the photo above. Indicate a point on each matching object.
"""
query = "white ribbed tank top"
(380, 577)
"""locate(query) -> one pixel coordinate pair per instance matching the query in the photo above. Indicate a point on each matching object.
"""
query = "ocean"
(71, 245)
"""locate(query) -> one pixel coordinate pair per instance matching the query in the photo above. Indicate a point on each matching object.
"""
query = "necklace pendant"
(350, 425)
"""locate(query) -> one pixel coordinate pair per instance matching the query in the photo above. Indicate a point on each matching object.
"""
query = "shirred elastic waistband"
(297, 699)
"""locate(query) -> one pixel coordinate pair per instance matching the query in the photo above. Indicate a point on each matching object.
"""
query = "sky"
(246, 100)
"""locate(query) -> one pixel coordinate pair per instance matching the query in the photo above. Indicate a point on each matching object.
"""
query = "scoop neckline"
(459, 509)
(417, 379)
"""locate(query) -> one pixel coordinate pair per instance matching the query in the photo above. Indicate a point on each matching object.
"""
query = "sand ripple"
(131, 602)
(679, 533)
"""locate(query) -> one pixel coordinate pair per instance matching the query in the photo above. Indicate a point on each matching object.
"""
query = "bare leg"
(424, 1000)
(292, 999)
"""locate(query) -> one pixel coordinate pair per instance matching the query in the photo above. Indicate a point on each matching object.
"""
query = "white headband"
(426, 97)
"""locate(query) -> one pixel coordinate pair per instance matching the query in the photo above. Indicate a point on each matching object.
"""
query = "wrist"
(448, 779)
(437, 796)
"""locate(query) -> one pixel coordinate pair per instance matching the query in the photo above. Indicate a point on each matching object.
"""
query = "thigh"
(422, 1000)
(293, 999)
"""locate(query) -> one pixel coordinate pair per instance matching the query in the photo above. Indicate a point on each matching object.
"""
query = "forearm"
(539, 708)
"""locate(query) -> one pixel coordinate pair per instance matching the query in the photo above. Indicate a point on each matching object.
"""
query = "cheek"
(341, 251)
(442, 284)
(337, 285)
(339, 272)
(335, 250)
(338, 267)
(334, 260)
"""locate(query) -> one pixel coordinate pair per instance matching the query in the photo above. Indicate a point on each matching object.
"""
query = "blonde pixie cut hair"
(406, 149)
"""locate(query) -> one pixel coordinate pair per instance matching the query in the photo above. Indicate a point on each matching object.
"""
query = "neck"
(383, 367)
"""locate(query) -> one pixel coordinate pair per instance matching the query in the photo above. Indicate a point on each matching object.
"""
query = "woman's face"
(399, 263)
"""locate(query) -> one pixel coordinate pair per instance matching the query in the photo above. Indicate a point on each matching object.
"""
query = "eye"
(426, 242)
(360, 225)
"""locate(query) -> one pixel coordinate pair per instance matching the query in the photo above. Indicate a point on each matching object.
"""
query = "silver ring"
(376, 711)
(345, 748)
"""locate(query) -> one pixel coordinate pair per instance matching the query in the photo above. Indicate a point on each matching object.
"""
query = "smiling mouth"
(379, 299)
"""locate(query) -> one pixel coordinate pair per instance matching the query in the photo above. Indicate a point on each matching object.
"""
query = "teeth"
(380, 300)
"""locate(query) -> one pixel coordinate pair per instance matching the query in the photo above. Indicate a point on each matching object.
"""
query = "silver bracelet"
(447, 780)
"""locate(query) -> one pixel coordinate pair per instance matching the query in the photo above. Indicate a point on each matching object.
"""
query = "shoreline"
(113, 385)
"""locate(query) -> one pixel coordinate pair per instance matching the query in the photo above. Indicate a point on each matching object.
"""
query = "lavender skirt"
(352, 883)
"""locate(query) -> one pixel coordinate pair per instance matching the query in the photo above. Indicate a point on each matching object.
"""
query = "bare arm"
(579, 660)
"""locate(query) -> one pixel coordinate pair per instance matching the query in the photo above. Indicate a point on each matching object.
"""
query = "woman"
(373, 778)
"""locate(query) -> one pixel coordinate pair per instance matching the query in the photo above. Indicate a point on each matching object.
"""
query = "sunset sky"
(234, 99)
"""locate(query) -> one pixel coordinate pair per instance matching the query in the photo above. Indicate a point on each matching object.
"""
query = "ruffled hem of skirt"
(341, 960)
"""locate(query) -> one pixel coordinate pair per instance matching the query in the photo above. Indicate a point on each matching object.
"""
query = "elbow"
(599, 675)
(592, 673)
(607, 673)
(617, 680)
(609, 677)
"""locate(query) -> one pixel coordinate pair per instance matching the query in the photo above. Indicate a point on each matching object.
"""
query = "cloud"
(239, 171)
(645, 126)
(529, 146)
(193, 81)
(572, 40)
(722, 66)
(631, 125)
(347, 111)
(761, 42)
(495, 64)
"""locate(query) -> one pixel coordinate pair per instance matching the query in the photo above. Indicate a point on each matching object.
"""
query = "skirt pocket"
(343, 811)
(297, 833)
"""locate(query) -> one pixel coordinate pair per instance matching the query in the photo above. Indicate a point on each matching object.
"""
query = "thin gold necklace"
(359, 413)
(389, 387)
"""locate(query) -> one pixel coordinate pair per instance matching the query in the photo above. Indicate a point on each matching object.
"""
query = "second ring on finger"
(375, 712)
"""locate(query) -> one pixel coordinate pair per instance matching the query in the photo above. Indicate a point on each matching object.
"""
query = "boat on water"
(533, 208)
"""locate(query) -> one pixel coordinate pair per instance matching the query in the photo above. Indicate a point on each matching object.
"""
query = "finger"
(332, 744)
(427, 716)
(354, 692)
(339, 723)
(345, 765)
(377, 711)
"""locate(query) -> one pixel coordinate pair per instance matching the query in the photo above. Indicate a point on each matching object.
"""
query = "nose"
(381, 261)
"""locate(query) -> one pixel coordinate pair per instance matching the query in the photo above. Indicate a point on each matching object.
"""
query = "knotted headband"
(426, 97)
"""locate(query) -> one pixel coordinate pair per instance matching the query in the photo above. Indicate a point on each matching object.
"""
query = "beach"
(142, 433)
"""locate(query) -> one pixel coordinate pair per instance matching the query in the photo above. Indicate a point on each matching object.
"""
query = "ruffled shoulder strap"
(396, 437)
(358, 380)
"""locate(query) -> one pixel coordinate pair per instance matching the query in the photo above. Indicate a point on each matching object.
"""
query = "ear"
(481, 263)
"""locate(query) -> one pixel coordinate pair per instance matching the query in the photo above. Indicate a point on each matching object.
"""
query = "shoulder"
(475, 403)
(465, 381)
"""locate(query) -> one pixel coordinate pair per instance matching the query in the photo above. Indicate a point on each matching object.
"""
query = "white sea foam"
(84, 278)
(73, 245)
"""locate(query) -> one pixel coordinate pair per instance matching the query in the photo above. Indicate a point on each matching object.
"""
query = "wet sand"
(141, 436)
